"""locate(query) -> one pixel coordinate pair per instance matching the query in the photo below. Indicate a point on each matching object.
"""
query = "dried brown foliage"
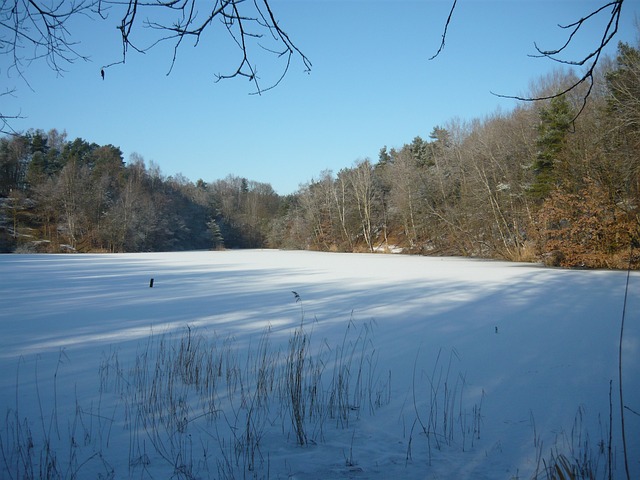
(590, 228)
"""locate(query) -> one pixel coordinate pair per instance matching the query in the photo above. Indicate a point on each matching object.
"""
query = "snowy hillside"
(302, 365)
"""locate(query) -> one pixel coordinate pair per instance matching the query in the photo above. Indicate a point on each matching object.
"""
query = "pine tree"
(555, 121)
(217, 242)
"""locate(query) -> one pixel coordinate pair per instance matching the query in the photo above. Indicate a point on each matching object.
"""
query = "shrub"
(586, 229)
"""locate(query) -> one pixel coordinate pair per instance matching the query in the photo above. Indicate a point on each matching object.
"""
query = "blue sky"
(371, 85)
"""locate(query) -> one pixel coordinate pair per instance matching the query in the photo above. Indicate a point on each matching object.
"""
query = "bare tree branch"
(590, 59)
(32, 31)
(446, 28)
(613, 8)
(246, 23)
(5, 124)
(40, 30)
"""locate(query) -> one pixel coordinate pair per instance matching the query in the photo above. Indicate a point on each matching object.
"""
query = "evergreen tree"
(217, 242)
(420, 151)
(79, 151)
(37, 168)
(555, 122)
(383, 157)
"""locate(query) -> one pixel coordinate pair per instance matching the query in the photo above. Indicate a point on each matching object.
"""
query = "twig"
(444, 33)
(624, 311)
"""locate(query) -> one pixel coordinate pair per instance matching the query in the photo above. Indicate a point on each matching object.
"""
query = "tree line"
(539, 182)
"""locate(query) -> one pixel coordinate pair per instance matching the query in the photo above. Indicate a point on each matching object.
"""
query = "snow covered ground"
(303, 365)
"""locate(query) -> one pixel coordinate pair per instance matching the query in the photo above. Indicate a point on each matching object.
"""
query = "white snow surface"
(516, 359)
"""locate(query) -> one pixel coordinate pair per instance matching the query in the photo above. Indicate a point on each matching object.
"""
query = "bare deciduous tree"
(362, 184)
(403, 198)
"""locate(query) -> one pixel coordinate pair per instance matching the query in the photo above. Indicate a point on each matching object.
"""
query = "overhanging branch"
(246, 22)
(590, 60)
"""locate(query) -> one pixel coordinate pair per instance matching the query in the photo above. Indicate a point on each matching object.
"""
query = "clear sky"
(371, 85)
